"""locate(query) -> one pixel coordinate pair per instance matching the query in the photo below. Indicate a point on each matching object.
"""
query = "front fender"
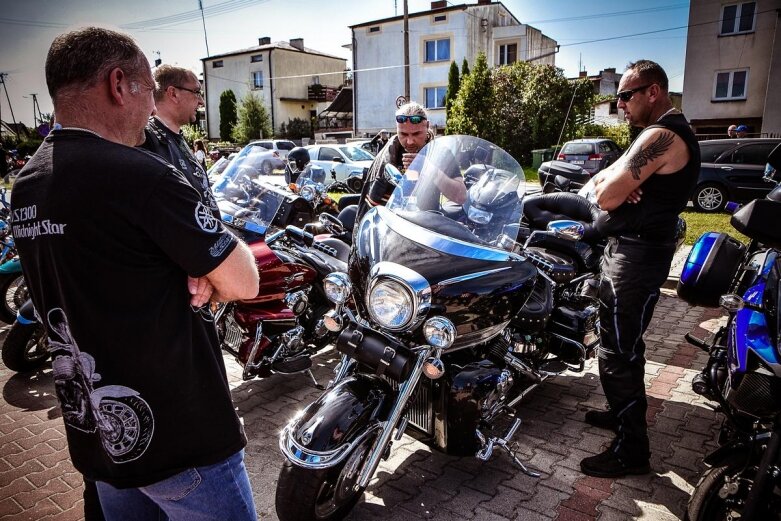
(342, 417)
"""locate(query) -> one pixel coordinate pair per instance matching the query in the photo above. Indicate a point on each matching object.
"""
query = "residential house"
(438, 37)
(606, 111)
(293, 81)
(733, 67)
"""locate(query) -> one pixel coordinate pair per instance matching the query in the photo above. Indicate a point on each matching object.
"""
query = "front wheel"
(722, 492)
(321, 495)
(355, 184)
(13, 292)
(709, 197)
(24, 348)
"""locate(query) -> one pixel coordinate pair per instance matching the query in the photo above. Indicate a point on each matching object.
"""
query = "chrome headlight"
(337, 287)
(439, 332)
(308, 192)
(391, 304)
(479, 216)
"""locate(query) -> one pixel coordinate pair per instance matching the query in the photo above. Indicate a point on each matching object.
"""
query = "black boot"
(608, 464)
(602, 419)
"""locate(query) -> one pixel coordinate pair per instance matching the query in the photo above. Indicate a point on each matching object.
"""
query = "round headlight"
(439, 332)
(391, 304)
(309, 192)
(337, 287)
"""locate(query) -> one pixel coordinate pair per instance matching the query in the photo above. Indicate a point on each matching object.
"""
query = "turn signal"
(434, 368)
(333, 321)
(731, 302)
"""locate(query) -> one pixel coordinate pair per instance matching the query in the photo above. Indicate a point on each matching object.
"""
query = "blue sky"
(175, 30)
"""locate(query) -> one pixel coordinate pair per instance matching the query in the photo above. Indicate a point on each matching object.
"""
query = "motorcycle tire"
(24, 348)
(13, 292)
(355, 184)
(131, 427)
(311, 495)
(707, 505)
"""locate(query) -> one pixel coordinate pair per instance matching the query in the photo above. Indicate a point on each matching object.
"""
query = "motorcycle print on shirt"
(122, 419)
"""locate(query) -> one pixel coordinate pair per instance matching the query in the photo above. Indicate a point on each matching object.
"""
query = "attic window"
(440, 18)
(217, 64)
(256, 58)
(374, 29)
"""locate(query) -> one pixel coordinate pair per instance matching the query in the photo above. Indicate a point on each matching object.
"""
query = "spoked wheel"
(13, 292)
(709, 197)
(722, 491)
(126, 427)
(24, 348)
(321, 495)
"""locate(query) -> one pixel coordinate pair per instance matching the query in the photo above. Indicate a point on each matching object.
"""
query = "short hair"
(650, 72)
(83, 57)
(170, 76)
(412, 109)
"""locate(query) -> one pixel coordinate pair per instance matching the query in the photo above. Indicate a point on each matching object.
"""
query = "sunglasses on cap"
(626, 95)
(412, 119)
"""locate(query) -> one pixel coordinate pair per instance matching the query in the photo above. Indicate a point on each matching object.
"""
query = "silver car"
(590, 154)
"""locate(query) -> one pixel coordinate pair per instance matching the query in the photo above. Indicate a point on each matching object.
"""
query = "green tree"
(298, 128)
(227, 114)
(453, 84)
(470, 111)
(191, 133)
(253, 121)
(464, 69)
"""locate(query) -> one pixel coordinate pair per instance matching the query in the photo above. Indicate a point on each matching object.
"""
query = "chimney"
(583, 74)
(483, 2)
(298, 43)
(264, 41)
(611, 69)
(439, 4)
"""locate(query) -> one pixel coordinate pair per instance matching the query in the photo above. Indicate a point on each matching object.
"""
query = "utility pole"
(36, 110)
(406, 51)
(203, 19)
(13, 119)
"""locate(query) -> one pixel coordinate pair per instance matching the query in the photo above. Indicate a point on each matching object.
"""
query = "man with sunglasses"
(177, 98)
(641, 196)
(412, 134)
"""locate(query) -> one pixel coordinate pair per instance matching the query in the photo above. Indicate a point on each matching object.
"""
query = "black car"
(731, 170)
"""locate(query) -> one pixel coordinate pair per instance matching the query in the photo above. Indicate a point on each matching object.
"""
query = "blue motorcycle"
(743, 372)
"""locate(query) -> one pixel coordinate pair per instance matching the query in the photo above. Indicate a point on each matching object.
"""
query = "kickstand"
(524, 468)
(314, 380)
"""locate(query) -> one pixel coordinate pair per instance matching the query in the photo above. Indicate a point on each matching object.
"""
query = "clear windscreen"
(466, 180)
(246, 200)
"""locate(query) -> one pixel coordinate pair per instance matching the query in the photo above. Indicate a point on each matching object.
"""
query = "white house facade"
(438, 37)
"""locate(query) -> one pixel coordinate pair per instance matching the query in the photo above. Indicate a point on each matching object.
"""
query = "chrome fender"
(344, 416)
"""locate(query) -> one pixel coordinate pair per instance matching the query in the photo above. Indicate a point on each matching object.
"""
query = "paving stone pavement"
(37, 480)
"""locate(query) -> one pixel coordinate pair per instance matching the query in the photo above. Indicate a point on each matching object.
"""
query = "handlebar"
(302, 238)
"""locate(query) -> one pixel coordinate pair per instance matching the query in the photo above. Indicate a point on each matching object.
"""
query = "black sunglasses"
(626, 95)
(197, 92)
(412, 119)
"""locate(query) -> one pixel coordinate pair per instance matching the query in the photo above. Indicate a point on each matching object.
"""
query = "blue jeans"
(215, 492)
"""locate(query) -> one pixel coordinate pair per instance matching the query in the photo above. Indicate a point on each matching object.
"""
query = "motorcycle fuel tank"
(278, 277)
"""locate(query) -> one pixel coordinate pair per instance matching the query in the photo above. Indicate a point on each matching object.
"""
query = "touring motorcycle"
(743, 372)
(280, 329)
(445, 322)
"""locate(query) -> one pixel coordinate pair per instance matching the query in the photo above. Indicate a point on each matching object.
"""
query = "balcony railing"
(319, 92)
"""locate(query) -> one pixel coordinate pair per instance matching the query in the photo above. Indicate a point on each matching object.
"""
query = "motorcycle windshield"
(246, 198)
(464, 187)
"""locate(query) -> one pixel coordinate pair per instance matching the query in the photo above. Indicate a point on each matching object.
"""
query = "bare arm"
(236, 277)
(658, 151)
(451, 187)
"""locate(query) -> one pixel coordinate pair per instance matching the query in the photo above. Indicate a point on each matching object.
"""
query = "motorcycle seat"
(561, 268)
(539, 210)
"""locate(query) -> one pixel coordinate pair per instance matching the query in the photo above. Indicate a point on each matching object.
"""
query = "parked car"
(731, 170)
(345, 161)
(591, 154)
(363, 144)
(280, 146)
(258, 160)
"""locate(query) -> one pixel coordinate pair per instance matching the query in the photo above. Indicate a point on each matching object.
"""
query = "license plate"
(578, 162)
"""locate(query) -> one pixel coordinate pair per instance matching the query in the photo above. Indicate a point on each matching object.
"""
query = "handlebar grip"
(538, 261)
(324, 248)
(298, 235)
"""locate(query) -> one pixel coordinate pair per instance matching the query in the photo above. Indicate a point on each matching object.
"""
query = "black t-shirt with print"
(107, 236)
(172, 147)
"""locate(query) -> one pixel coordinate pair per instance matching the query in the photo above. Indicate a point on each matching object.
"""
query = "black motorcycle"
(454, 322)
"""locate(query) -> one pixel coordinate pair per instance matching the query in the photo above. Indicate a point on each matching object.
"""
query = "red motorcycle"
(280, 329)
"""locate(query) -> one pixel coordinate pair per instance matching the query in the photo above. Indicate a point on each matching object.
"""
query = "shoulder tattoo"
(643, 156)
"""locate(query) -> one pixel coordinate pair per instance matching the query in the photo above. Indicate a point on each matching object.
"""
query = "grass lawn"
(698, 223)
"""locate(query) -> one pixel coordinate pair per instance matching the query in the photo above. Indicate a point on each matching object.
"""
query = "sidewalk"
(37, 480)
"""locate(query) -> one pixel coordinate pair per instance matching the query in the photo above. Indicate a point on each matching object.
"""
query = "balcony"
(319, 92)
